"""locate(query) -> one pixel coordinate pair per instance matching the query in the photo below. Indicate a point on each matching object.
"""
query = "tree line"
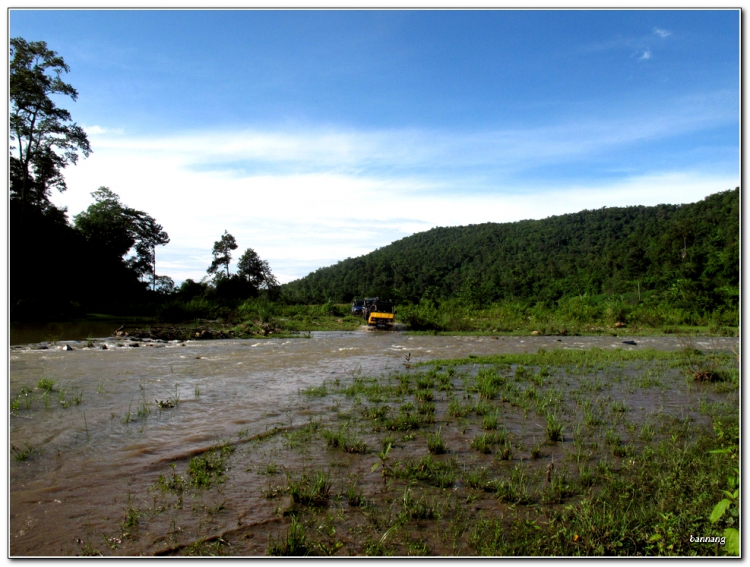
(687, 253)
(105, 259)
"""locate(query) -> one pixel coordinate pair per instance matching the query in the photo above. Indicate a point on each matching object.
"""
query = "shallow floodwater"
(91, 456)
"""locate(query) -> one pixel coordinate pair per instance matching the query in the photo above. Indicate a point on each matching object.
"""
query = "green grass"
(659, 512)
(435, 443)
(355, 495)
(456, 409)
(174, 483)
(612, 438)
(482, 443)
(23, 453)
(554, 428)
(203, 548)
(209, 468)
(345, 440)
(293, 544)
(489, 421)
(440, 473)
(619, 407)
(588, 315)
(421, 509)
(317, 392)
(536, 451)
(409, 418)
(310, 490)
(131, 522)
(566, 357)
(489, 476)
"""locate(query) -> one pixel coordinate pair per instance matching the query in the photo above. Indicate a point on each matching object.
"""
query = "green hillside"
(690, 252)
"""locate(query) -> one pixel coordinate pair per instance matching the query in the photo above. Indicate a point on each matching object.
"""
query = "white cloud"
(646, 55)
(306, 199)
(662, 33)
(245, 153)
(98, 130)
(94, 130)
(303, 221)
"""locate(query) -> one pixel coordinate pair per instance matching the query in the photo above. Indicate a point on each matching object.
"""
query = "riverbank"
(290, 327)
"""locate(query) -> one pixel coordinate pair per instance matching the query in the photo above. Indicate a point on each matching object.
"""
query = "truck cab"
(379, 312)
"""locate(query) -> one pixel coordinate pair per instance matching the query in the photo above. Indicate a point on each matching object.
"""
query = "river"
(89, 456)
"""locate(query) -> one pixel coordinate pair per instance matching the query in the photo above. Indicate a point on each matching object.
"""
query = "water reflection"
(26, 333)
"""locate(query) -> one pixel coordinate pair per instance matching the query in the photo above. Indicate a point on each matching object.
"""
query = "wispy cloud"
(297, 197)
(634, 44)
(422, 159)
(302, 222)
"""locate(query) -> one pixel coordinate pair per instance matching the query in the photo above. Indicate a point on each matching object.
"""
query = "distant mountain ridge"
(691, 250)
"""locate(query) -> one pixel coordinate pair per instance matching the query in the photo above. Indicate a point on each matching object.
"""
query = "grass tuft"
(310, 490)
(435, 443)
(554, 428)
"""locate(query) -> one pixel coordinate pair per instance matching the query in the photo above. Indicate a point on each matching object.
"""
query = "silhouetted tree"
(43, 140)
(222, 253)
(256, 271)
(114, 229)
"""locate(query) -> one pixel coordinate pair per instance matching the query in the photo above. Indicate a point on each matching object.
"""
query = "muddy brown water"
(91, 456)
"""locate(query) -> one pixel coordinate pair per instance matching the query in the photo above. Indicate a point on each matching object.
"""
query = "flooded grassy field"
(367, 443)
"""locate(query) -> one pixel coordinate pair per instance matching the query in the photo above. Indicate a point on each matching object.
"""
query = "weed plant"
(456, 409)
(294, 543)
(554, 428)
(310, 490)
(440, 473)
(45, 384)
(23, 453)
(482, 443)
(435, 443)
(635, 486)
(209, 468)
(345, 440)
(489, 421)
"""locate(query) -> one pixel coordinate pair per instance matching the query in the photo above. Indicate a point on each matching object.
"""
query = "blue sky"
(283, 126)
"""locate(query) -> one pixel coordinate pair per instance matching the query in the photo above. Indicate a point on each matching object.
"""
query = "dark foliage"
(55, 272)
(43, 139)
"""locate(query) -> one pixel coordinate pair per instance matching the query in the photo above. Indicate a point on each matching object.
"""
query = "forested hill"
(690, 251)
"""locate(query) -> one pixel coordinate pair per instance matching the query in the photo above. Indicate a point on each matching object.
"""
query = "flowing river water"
(89, 456)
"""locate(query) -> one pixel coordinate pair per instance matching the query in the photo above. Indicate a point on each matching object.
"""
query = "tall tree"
(115, 229)
(149, 234)
(255, 271)
(222, 253)
(43, 138)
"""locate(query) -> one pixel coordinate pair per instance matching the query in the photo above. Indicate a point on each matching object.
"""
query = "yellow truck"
(379, 312)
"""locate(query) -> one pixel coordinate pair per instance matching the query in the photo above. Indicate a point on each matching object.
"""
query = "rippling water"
(92, 454)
